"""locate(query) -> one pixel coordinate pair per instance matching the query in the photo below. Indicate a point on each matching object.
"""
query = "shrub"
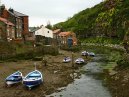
(73, 48)
(37, 58)
(25, 53)
(123, 63)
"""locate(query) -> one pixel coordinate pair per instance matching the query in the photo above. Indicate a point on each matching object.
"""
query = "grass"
(109, 66)
(102, 40)
(6, 48)
(72, 49)
(25, 52)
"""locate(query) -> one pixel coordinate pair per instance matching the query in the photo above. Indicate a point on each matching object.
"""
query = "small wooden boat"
(91, 54)
(84, 53)
(66, 59)
(14, 78)
(32, 79)
(80, 61)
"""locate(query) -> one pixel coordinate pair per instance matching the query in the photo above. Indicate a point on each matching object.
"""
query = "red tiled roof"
(64, 33)
(6, 21)
(56, 31)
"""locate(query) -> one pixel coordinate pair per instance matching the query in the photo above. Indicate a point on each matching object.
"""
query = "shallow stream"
(88, 85)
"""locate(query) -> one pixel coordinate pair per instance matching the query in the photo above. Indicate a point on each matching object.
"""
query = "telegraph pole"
(72, 60)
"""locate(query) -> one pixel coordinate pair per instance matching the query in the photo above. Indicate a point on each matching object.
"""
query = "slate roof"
(13, 14)
(18, 13)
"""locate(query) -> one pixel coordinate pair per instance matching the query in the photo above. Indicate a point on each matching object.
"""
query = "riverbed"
(81, 81)
(88, 85)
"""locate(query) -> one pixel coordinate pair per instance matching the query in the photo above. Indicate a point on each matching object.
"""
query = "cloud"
(53, 10)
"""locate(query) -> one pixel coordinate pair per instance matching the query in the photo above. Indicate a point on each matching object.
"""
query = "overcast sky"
(42, 11)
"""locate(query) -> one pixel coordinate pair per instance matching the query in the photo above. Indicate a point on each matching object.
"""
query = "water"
(87, 85)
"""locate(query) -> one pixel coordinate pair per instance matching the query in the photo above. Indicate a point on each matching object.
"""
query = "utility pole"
(72, 60)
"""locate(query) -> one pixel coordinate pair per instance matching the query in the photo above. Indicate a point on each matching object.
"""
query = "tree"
(49, 26)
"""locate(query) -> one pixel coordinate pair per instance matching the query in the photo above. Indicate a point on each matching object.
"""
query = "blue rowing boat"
(14, 78)
(32, 79)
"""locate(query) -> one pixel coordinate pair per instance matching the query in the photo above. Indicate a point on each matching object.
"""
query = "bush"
(73, 48)
(123, 63)
(37, 58)
(42, 50)
(25, 56)
(26, 53)
(101, 40)
(6, 48)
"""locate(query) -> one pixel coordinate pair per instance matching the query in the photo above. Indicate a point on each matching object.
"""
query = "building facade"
(56, 33)
(44, 35)
(43, 31)
(19, 20)
(7, 32)
(64, 37)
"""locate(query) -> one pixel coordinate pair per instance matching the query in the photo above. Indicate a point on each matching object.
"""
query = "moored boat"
(32, 79)
(14, 78)
(79, 61)
(84, 53)
(91, 54)
(66, 59)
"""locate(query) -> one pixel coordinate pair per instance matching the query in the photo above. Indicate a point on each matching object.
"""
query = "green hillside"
(109, 18)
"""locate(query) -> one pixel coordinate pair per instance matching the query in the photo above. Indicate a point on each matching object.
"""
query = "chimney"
(11, 10)
(2, 7)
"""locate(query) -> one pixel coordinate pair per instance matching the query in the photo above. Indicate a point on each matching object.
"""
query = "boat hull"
(84, 53)
(12, 82)
(32, 79)
(79, 61)
(92, 54)
(14, 78)
(31, 84)
(67, 59)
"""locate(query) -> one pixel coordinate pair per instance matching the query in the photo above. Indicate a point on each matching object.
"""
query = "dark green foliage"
(72, 49)
(35, 54)
(101, 40)
(6, 48)
(109, 18)
(49, 26)
(37, 58)
(24, 56)
(122, 63)
(47, 50)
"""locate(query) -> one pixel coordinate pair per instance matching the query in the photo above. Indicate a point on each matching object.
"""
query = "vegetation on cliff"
(109, 19)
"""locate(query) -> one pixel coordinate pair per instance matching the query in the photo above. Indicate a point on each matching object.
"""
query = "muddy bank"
(118, 80)
(88, 85)
(118, 83)
(56, 74)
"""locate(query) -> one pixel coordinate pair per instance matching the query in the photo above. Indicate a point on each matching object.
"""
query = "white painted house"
(43, 31)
